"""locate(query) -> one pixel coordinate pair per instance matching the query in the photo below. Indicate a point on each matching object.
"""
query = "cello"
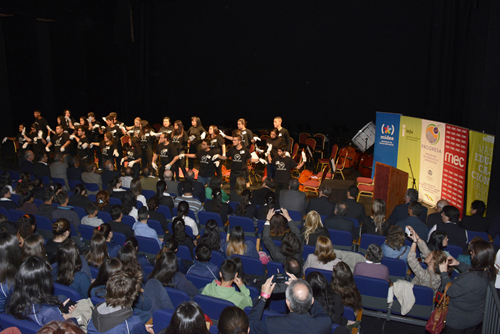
(365, 164)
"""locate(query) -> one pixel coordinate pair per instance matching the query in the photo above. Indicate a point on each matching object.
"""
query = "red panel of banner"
(455, 164)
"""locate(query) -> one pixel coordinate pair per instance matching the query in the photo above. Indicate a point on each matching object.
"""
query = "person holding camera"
(305, 315)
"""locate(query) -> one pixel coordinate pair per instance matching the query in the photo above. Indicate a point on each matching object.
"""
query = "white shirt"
(142, 199)
(191, 223)
(497, 264)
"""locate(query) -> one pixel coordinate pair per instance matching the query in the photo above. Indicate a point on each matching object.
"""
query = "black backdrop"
(324, 66)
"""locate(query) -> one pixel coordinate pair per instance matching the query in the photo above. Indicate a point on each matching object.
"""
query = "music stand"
(365, 138)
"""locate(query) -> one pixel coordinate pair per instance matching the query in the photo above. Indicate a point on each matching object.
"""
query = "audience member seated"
(26, 165)
(53, 327)
(97, 252)
(292, 198)
(235, 194)
(69, 268)
(377, 224)
(32, 297)
(127, 179)
(211, 238)
(245, 208)
(116, 223)
(102, 200)
(91, 218)
(166, 273)
(194, 204)
(340, 222)
(438, 241)
(394, 245)
(187, 318)
(143, 305)
(74, 171)
(183, 212)
(59, 169)
(237, 245)
(322, 204)
(23, 184)
(108, 174)
(33, 246)
(115, 188)
(106, 231)
(201, 265)
(10, 260)
(354, 209)
(40, 168)
(26, 204)
(198, 188)
(401, 212)
(5, 201)
(172, 185)
(324, 256)
(149, 180)
(313, 228)
(115, 315)
(38, 188)
(163, 195)
(141, 227)
(476, 222)
(46, 208)
(90, 176)
(179, 234)
(290, 245)
(136, 189)
(435, 218)
(304, 313)
(65, 211)
(269, 204)
(61, 230)
(372, 267)
(217, 205)
(25, 229)
(259, 195)
(233, 320)
(323, 294)
(216, 182)
(152, 205)
(412, 220)
(436, 262)
(343, 284)
(278, 224)
(223, 289)
(79, 198)
(108, 268)
(457, 235)
(129, 204)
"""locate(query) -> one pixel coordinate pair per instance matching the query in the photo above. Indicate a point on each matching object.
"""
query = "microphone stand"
(413, 185)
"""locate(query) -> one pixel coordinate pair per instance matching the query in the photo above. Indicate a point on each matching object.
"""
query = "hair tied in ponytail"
(237, 330)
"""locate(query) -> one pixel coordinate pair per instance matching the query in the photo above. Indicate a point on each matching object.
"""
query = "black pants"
(471, 330)
(277, 188)
(147, 156)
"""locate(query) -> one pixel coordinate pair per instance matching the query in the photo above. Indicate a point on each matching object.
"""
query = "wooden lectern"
(390, 185)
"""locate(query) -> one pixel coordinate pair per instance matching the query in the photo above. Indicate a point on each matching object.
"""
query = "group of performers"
(140, 145)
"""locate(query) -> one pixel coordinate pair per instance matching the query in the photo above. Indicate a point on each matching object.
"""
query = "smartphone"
(407, 231)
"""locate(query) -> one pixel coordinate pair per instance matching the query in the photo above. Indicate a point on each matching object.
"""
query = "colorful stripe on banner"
(479, 166)
(386, 139)
(409, 148)
(455, 165)
(431, 161)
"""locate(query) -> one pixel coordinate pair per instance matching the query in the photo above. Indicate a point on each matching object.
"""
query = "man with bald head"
(435, 218)
(305, 315)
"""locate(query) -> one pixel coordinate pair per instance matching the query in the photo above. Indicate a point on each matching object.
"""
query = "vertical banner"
(480, 160)
(386, 139)
(431, 161)
(455, 164)
(409, 148)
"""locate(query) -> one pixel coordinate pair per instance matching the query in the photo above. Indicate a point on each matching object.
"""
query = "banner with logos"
(409, 148)
(455, 164)
(386, 139)
(431, 161)
(480, 160)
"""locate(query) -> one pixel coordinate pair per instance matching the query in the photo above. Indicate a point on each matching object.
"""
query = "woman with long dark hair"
(237, 245)
(10, 260)
(217, 145)
(211, 237)
(233, 320)
(269, 204)
(129, 203)
(136, 189)
(102, 201)
(32, 296)
(179, 234)
(98, 251)
(106, 231)
(147, 137)
(183, 212)
(323, 294)
(69, 265)
(343, 284)
(468, 291)
(217, 205)
(188, 318)
(246, 208)
(134, 157)
(167, 274)
(61, 230)
(196, 134)
(108, 268)
(79, 197)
